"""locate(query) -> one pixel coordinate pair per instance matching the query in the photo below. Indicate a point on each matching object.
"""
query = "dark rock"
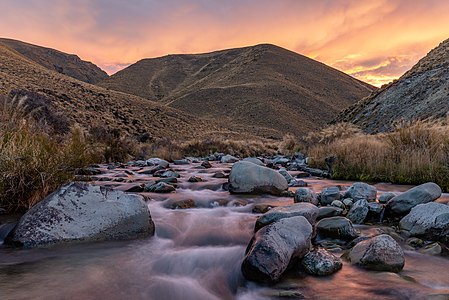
(329, 211)
(150, 171)
(206, 164)
(361, 191)
(286, 175)
(379, 253)
(181, 204)
(385, 197)
(135, 189)
(358, 212)
(181, 162)
(5, 230)
(262, 208)
(320, 262)
(160, 187)
(329, 194)
(168, 180)
(274, 246)
(307, 210)
(170, 174)
(157, 162)
(219, 175)
(195, 179)
(424, 193)
(336, 228)
(338, 203)
(305, 195)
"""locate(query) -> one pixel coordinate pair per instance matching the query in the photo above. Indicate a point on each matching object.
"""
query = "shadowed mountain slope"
(67, 64)
(263, 88)
(421, 93)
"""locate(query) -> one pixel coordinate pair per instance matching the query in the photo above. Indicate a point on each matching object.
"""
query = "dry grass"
(413, 153)
(33, 162)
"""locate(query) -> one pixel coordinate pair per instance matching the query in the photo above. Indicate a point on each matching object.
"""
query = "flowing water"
(196, 254)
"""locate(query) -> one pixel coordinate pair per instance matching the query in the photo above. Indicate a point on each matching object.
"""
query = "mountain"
(264, 89)
(67, 64)
(421, 93)
(92, 106)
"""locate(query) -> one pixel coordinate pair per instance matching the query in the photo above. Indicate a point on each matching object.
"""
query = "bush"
(412, 154)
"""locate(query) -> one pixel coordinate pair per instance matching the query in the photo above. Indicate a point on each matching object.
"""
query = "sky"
(373, 40)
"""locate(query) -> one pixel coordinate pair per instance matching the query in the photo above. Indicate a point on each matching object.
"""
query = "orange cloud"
(375, 41)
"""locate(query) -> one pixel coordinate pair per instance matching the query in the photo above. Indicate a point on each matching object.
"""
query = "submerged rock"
(82, 212)
(246, 177)
(424, 193)
(380, 253)
(320, 262)
(274, 246)
(307, 210)
(336, 228)
(361, 191)
(430, 220)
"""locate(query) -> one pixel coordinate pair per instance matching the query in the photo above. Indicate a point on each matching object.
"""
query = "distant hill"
(67, 64)
(421, 93)
(263, 89)
(92, 106)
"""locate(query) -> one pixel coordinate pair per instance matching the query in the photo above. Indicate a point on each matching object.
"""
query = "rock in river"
(424, 193)
(361, 191)
(307, 210)
(274, 246)
(246, 177)
(380, 253)
(430, 220)
(358, 212)
(305, 195)
(336, 228)
(329, 194)
(82, 212)
(320, 262)
(229, 159)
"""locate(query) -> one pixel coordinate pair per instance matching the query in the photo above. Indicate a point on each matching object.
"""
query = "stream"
(196, 253)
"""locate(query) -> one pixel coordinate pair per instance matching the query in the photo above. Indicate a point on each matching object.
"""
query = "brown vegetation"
(413, 153)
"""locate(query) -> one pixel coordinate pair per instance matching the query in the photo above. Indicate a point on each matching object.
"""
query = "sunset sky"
(373, 40)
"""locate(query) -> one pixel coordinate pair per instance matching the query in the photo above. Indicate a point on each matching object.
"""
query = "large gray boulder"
(329, 194)
(82, 212)
(430, 220)
(361, 191)
(249, 178)
(274, 246)
(358, 212)
(305, 195)
(320, 262)
(424, 193)
(380, 253)
(307, 210)
(336, 228)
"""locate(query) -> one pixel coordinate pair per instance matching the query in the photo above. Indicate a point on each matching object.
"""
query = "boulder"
(274, 246)
(254, 160)
(358, 212)
(361, 191)
(336, 228)
(338, 203)
(320, 262)
(286, 175)
(157, 162)
(195, 179)
(181, 162)
(329, 211)
(82, 212)
(329, 194)
(424, 193)
(249, 178)
(206, 164)
(307, 210)
(305, 195)
(160, 187)
(227, 159)
(170, 174)
(430, 220)
(379, 253)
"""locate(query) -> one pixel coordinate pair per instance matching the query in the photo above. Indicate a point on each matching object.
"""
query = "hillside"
(67, 64)
(264, 89)
(92, 106)
(421, 93)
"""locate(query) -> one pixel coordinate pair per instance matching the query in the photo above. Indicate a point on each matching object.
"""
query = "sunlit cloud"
(375, 41)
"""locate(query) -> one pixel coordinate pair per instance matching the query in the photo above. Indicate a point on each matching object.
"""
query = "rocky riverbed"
(253, 233)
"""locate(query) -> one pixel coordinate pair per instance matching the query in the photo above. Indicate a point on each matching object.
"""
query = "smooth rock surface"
(249, 178)
(82, 212)
(307, 210)
(380, 253)
(274, 246)
(430, 220)
(336, 228)
(424, 193)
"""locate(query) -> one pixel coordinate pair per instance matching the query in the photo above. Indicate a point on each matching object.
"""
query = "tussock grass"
(413, 153)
